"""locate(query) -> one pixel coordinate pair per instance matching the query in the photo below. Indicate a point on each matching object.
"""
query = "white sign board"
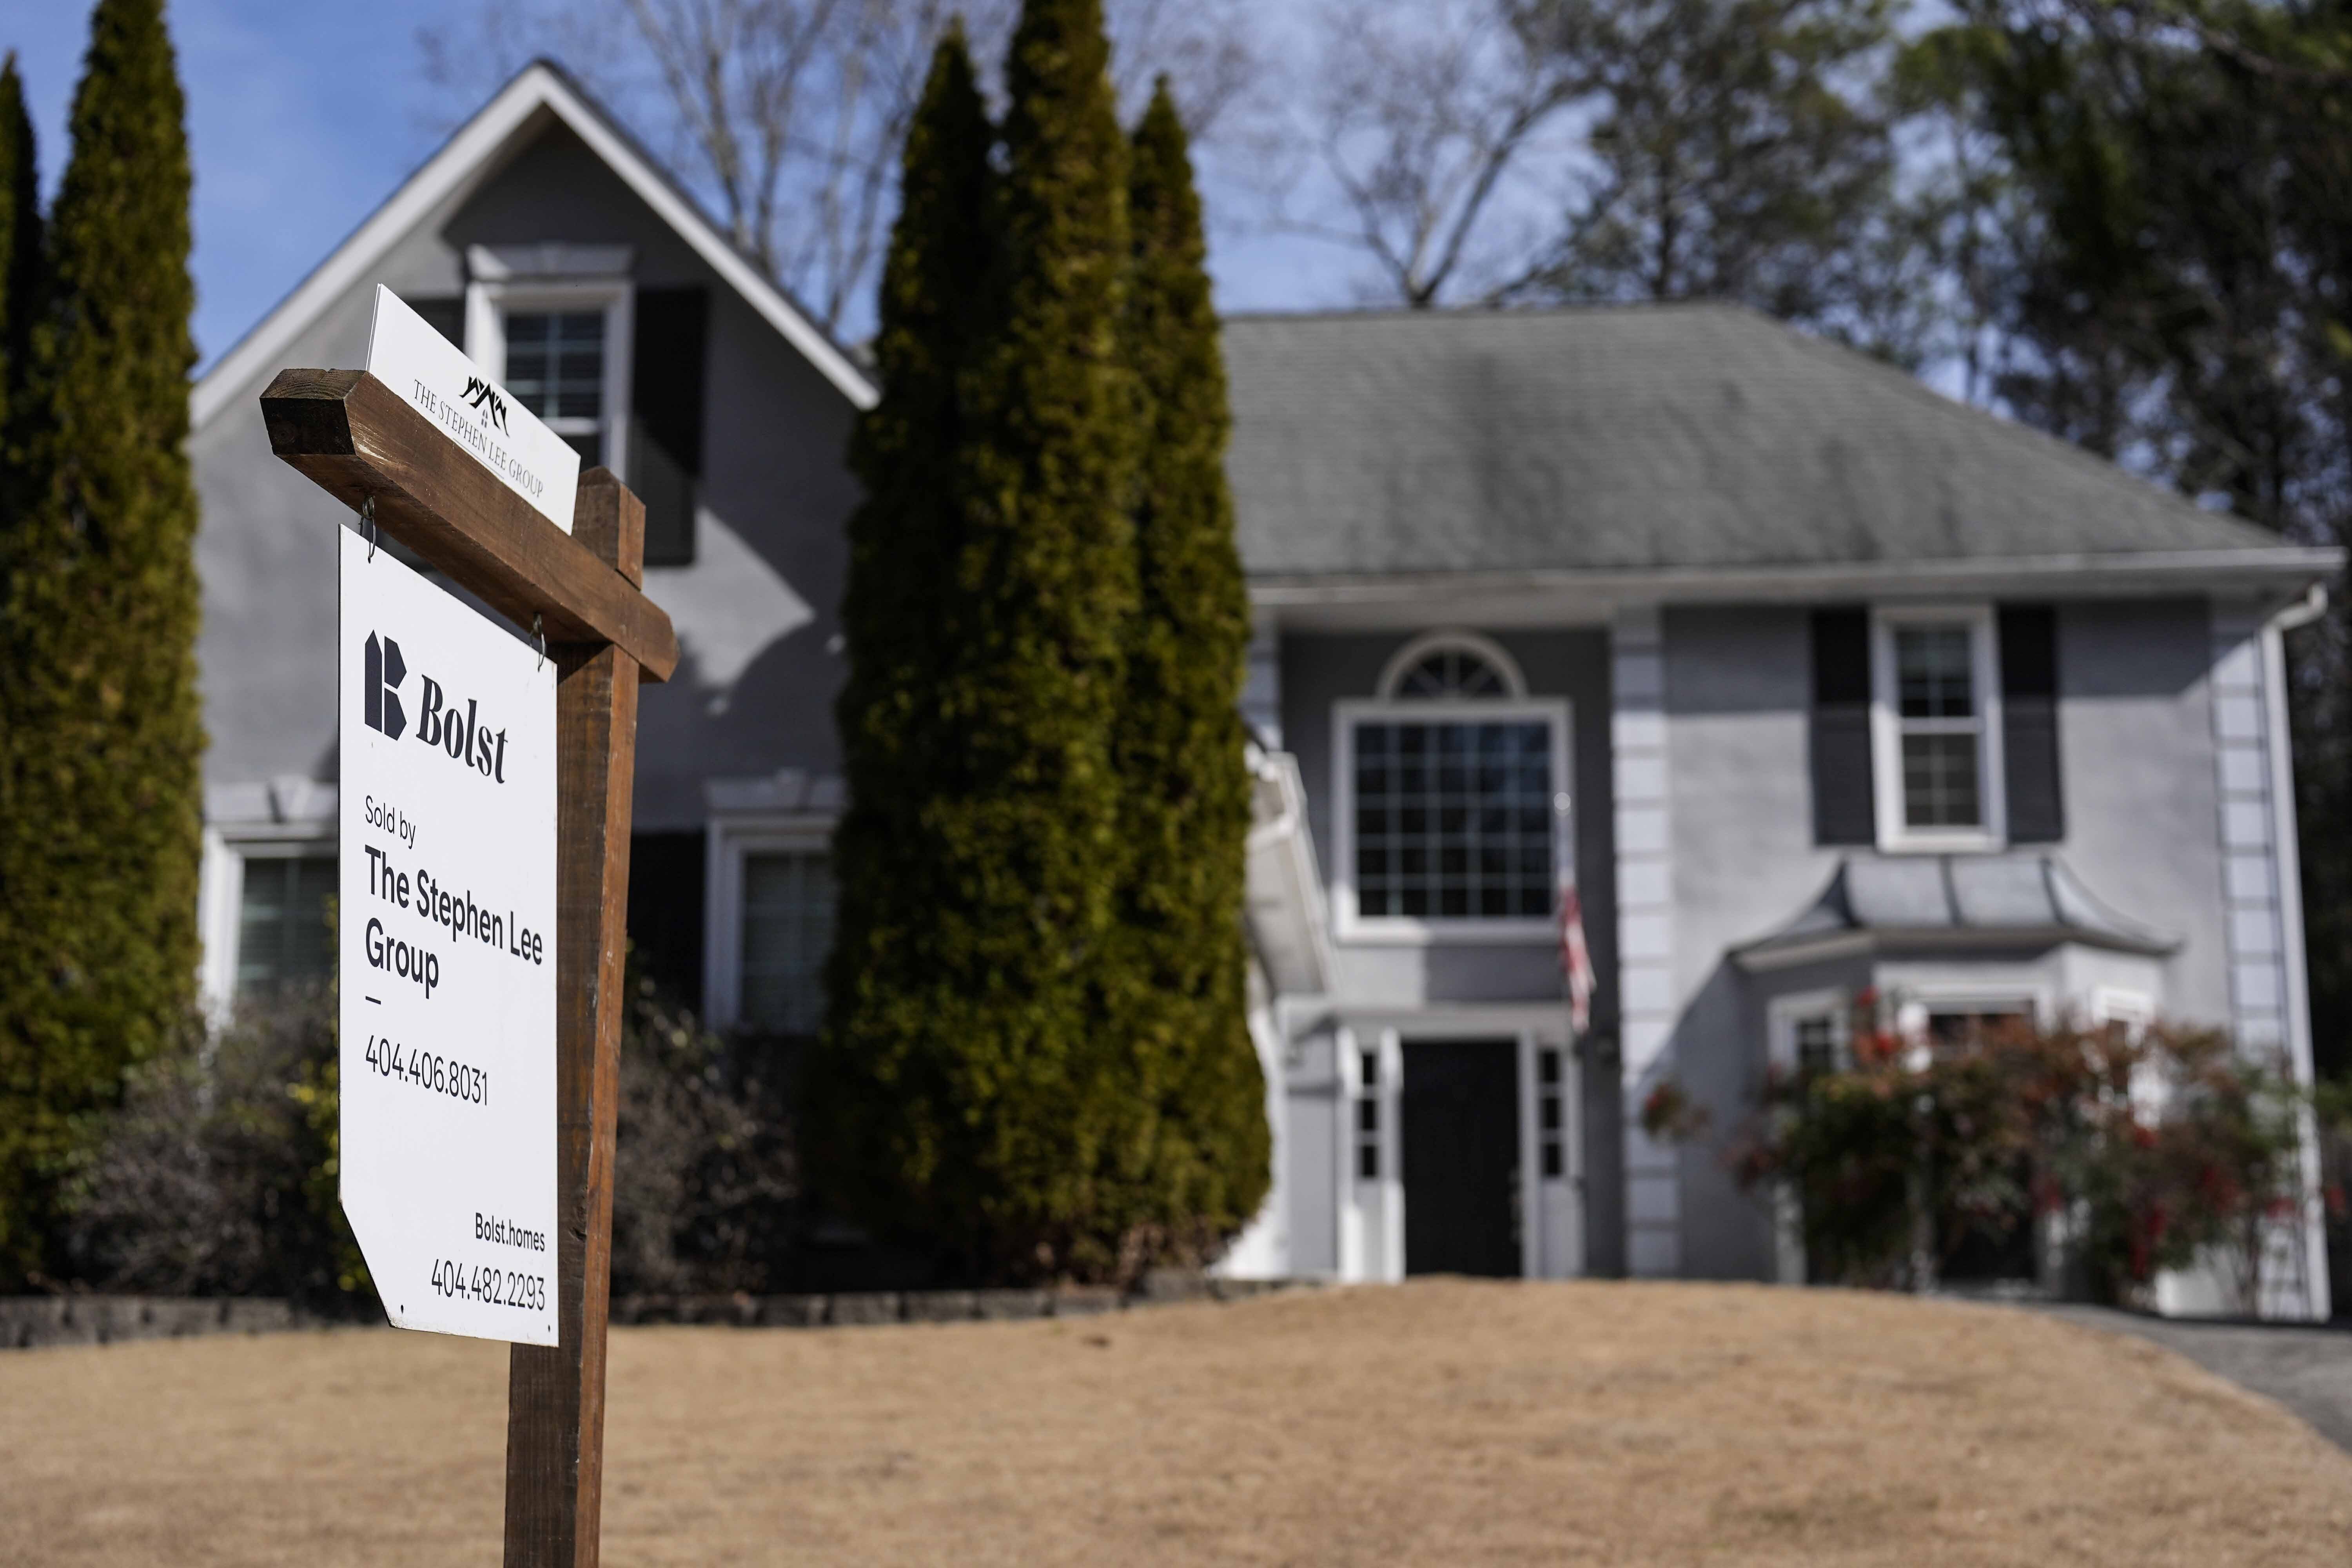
(446, 956)
(486, 421)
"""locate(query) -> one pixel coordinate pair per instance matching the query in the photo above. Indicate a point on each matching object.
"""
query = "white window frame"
(221, 897)
(1887, 730)
(1414, 931)
(488, 303)
(729, 844)
(1784, 1013)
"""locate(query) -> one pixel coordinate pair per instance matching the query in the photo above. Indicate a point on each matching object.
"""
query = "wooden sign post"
(363, 444)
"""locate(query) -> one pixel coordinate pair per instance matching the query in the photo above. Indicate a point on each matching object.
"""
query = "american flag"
(1575, 958)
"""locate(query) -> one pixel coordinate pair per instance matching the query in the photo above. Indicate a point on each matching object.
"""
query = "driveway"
(2306, 1369)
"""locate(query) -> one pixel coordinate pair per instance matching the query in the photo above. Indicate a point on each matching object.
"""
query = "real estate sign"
(446, 955)
(486, 421)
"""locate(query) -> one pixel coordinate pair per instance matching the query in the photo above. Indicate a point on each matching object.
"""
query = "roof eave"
(2284, 572)
(1773, 953)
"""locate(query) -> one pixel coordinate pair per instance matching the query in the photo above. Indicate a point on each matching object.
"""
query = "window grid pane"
(788, 901)
(1453, 820)
(555, 362)
(1939, 781)
(1935, 676)
(283, 934)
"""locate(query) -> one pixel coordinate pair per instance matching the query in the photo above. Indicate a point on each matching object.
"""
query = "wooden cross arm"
(354, 437)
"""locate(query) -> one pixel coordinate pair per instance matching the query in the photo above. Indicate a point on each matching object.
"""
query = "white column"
(2262, 892)
(1645, 992)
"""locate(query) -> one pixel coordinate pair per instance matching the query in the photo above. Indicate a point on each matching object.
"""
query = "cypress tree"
(100, 735)
(20, 254)
(904, 541)
(984, 1062)
(1201, 1147)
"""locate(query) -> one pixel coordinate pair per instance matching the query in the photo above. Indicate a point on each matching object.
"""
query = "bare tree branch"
(1420, 119)
(787, 115)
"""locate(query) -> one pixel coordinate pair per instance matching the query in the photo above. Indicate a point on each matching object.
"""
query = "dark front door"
(1459, 1133)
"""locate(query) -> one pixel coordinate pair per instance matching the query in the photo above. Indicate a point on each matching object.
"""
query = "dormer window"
(555, 324)
(614, 369)
(1451, 797)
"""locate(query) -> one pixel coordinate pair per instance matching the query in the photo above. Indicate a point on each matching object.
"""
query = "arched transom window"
(1451, 665)
(1453, 781)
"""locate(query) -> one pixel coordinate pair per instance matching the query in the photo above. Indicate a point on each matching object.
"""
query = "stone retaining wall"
(26, 1321)
(30, 1321)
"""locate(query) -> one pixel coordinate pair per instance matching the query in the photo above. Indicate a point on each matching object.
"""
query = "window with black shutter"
(666, 416)
(1844, 801)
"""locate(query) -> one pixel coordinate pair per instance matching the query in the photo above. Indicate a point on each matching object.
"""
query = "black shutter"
(1846, 809)
(665, 418)
(2029, 723)
(446, 316)
(666, 937)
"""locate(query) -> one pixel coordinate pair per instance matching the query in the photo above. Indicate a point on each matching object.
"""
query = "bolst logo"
(485, 397)
(464, 736)
(385, 672)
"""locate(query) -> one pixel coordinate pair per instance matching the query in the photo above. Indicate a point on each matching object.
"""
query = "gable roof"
(474, 152)
(1655, 440)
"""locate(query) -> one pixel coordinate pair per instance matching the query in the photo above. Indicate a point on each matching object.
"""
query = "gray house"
(1819, 681)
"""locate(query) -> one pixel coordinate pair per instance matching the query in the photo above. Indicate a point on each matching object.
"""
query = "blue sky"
(303, 118)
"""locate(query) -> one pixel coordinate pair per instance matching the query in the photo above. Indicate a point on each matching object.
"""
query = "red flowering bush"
(2143, 1152)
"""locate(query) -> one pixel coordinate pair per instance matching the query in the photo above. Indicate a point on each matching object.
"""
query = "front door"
(1459, 1138)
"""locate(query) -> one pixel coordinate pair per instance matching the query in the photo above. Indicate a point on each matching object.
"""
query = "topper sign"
(433, 377)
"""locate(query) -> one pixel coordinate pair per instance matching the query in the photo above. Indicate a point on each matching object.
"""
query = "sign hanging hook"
(539, 634)
(368, 524)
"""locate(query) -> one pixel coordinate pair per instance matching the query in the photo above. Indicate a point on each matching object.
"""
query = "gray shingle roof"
(1644, 439)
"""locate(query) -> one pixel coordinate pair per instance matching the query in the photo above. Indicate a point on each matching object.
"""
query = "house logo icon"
(485, 397)
(385, 670)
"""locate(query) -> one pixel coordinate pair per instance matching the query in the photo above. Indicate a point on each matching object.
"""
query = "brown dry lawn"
(1441, 1423)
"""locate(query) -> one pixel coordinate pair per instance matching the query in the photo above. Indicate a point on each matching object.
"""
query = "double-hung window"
(769, 910)
(1451, 798)
(1935, 722)
(283, 935)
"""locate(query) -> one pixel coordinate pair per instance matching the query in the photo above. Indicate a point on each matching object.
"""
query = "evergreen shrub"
(101, 731)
